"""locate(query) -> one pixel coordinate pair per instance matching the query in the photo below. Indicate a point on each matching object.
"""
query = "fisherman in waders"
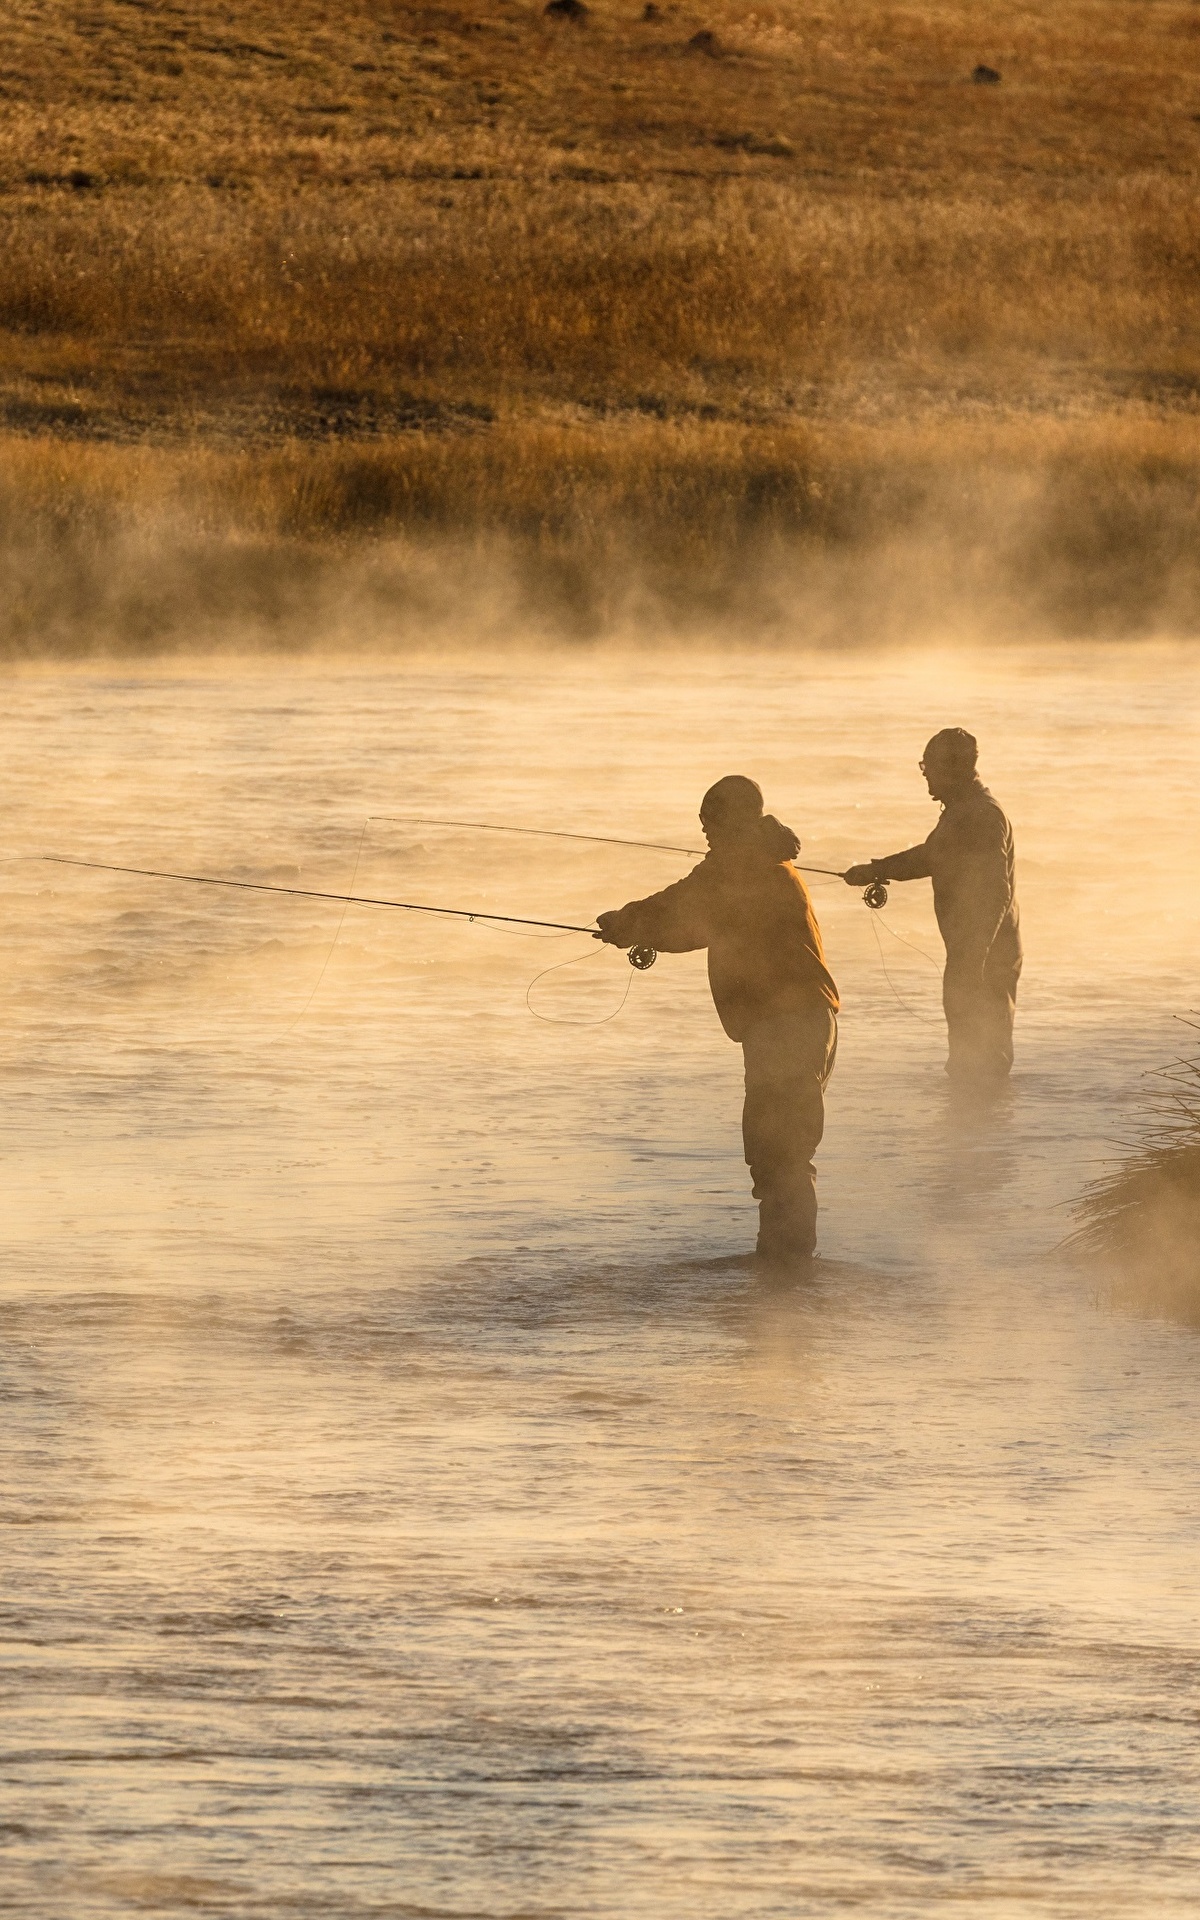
(969, 857)
(747, 904)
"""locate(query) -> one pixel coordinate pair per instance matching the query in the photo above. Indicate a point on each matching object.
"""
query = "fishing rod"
(541, 833)
(639, 957)
(553, 833)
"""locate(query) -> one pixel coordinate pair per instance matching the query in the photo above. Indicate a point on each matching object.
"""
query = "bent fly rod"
(639, 957)
(874, 896)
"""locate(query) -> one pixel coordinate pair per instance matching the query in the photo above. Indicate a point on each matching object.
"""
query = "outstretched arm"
(913, 864)
(673, 921)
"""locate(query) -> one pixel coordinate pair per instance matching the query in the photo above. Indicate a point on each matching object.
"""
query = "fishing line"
(512, 932)
(555, 1020)
(640, 957)
(909, 943)
(516, 933)
(874, 896)
(892, 984)
(288, 1031)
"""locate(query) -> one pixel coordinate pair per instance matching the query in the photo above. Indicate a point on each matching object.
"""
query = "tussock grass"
(1141, 1224)
(465, 273)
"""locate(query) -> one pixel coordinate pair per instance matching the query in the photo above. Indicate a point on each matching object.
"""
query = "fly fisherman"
(969, 857)
(747, 904)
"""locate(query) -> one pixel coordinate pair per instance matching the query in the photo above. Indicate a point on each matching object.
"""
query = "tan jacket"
(752, 910)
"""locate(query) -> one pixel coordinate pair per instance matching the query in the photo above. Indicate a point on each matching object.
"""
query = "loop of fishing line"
(900, 1001)
(556, 1020)
(910, 943)
(640, 957)
(875, 896)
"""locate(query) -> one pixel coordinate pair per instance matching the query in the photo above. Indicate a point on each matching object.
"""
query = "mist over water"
(412, 1505)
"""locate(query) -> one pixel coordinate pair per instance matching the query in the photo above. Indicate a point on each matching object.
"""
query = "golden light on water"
(411, 1497)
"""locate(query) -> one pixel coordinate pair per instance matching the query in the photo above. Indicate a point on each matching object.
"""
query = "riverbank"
(821, 537)
(660, 328)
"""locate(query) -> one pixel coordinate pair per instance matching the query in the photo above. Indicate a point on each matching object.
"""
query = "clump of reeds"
(1141, 1222)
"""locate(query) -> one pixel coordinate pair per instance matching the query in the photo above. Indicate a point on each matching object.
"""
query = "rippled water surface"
(413, 1504)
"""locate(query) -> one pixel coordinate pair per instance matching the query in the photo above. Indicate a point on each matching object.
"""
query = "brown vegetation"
(578, 289)
(1141, 1223)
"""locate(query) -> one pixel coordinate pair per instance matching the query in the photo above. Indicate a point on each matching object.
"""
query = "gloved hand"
(861, 876)
(606, 923)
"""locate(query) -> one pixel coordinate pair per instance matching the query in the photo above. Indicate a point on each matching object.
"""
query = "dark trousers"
(788, 1062)
(980, 1011)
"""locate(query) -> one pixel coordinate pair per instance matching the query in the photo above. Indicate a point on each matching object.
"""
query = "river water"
(413, 1505)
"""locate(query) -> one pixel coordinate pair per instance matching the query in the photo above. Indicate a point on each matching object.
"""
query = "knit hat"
(733, 801)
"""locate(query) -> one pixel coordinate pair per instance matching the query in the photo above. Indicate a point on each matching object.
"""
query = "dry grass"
(1142, 1223)
(467, 272)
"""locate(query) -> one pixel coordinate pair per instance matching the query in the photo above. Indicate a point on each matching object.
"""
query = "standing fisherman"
(969, 857)
(747, 904)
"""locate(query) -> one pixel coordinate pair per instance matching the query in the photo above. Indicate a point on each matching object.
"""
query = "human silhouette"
(969, 857)
(774, 994)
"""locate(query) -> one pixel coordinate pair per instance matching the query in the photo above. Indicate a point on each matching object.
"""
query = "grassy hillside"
(685, 315)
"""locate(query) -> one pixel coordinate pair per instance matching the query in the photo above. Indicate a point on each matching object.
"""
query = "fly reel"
(642, 957)
(876, 894)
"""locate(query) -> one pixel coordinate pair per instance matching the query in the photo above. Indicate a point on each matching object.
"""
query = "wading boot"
(787, 1237)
